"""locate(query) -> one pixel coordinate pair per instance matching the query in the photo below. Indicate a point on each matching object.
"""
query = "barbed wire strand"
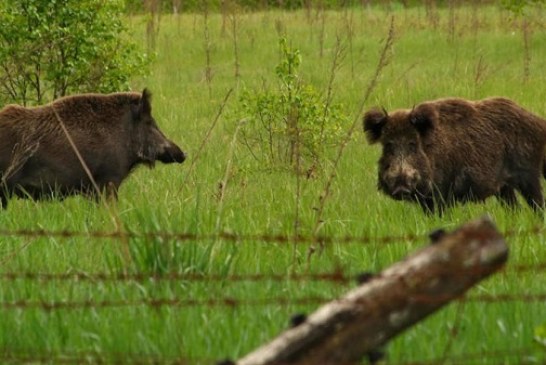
(234, 237)
(94, 358)
(226, 236)
(144, 359)
(237, 302)
(336, 276)
(477, 358)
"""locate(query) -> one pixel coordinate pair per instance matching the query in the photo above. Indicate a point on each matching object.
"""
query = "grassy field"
(471, 52)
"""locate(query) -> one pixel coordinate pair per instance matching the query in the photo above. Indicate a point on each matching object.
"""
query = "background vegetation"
(204, 62)
(49, 49)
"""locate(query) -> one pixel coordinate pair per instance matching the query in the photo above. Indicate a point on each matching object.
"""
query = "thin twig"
(207, 136)
(113, 215)
(226, 177)
(339, 55)
(383, 62)
(208, 68)
(454, 332)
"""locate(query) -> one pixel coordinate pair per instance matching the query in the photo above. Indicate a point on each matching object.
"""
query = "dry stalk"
(114, 216)
(475, 19)
(452, 20)
(224, 11)
(208, 46)
(176, 6)
(349, 25)
(382, 63)
(340, 51)
(308, 5)
(280, 28)
(432, 13)
(297, 155)
(207, 136)
(7, 258)
(152, 26)
(227, 174)
(454, 332)
(480, 73)
(322, 30)
(235, 30)
(526, 32)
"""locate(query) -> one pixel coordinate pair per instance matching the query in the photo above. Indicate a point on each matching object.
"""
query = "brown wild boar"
(454, 150)
(113, 134)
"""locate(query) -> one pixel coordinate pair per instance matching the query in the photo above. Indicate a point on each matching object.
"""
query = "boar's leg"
(107, 190)
(427, 204)
(3, 194)
(507, 196)
(111, 191)
(529, 186)
(3, 199)
(435, 204)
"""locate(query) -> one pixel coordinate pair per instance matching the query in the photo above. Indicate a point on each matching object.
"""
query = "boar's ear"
(422, 118)
(145, 103)
(374, 120)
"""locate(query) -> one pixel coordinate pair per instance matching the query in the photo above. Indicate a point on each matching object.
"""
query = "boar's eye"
(412, 145)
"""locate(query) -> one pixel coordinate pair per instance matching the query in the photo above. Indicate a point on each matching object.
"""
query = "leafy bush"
(50, 48)
(292, 125)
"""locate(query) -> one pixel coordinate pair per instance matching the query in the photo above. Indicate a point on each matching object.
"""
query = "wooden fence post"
(344, 330)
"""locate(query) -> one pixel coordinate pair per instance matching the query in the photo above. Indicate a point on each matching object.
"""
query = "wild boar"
(112, 134)
(454, 150)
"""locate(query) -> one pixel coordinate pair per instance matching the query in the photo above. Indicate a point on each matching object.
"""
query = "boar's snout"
(171, 153)
(401, 192)
(402, 183)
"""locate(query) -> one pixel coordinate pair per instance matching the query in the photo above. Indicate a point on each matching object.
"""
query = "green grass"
(482, 60)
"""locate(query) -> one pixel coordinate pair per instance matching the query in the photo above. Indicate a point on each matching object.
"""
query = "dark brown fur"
(455, 150)
(113, 133)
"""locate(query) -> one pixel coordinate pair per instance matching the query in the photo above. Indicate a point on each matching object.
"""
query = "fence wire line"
(143, 359)
(336, 276)
(477, 358)
(139, 359)
(95, 358)
(232, 302)
(224, 236)
(234, 237)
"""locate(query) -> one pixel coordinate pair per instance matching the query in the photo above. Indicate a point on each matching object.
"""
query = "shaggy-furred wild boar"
(112, 133)
(454, 150)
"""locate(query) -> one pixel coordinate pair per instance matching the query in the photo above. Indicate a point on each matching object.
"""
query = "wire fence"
(234, 302)
(223, 236)
(338, 276)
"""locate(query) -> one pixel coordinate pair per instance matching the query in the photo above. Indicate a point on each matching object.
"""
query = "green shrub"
(292, 125)
(50, 48)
